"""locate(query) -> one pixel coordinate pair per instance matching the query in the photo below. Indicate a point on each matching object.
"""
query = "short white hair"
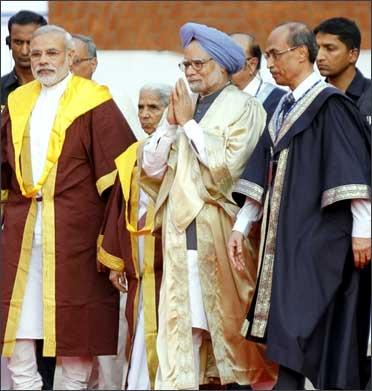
(162, 90)
(51, 28)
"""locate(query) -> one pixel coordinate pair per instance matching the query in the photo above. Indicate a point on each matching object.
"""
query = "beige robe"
(189, 190)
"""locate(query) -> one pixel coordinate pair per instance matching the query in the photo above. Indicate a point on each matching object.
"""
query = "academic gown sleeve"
(110, 136)
(228, 149)
(253, 182)
(114, 248)
(345, 153)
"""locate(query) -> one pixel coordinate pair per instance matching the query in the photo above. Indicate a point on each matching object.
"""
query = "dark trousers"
(289, 380)
(235, 386)
(46, 366)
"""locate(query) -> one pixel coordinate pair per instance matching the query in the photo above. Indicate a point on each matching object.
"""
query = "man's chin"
(24, 64)
(47, 81)
(195, 88)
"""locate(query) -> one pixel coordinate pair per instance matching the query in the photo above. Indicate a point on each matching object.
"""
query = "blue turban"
(217, 44)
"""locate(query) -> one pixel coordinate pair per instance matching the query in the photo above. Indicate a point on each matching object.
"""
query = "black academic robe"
(308, 288)
(271, 102)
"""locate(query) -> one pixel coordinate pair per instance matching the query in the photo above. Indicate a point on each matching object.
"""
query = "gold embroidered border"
(249, 189)
(211, 290)
(174, 313)
(19, 283)
(346, 192)
(262, 307)
(298, 110)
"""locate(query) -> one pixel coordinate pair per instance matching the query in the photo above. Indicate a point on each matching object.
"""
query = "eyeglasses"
(197, 65)
(78, 61)
(276, 53)
(52, 54)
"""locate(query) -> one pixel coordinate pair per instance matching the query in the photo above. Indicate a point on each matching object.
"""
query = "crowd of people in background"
(228, 249)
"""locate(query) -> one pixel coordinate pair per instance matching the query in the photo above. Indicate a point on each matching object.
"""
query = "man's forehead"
(326, 37)
(52, 40)
(194, 50)
(23, 29)
(277, 39)
(80, 47)
(244, 41)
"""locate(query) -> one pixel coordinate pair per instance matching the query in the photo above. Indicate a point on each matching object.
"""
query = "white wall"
(126, 71)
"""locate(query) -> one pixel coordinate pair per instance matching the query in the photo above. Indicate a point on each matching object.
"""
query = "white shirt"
(360, 208)
(253, 86)
(41, 123)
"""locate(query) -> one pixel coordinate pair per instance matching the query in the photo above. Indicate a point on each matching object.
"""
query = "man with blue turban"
(190, 165)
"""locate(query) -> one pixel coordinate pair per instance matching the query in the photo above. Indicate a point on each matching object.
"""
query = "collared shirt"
(305, 85)
(204, 103)
(253, 87)
(9, 83)
(358, 87)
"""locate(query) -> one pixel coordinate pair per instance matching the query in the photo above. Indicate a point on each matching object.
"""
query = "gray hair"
(299, 34)
(91, 46)
(51, 28)
(162, 90)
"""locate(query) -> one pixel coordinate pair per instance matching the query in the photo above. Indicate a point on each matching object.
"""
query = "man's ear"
(252, 64)
(353, 55)
(70, 56)
(304, 53)
(94, 63)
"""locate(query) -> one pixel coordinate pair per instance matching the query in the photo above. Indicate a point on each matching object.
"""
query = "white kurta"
(41, 123)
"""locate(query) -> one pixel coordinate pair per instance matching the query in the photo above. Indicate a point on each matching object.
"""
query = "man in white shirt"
(249, 79)
(310, 178)
(60, 136)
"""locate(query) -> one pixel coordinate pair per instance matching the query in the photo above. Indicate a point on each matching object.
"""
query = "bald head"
(299, 34)
(290, 53)
(252, 53)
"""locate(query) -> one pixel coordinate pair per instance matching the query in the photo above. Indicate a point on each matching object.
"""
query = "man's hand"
(235, 249)
(361, 251)
(118, 280)
(182, 103)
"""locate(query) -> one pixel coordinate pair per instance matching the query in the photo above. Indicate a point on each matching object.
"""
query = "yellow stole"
(129, 176)
(125, 165)
(80, 96)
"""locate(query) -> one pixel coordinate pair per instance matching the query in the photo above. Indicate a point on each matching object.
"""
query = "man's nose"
(320, 56)
(25, 50)
(269, 62)
(44, 59)
(190, 71)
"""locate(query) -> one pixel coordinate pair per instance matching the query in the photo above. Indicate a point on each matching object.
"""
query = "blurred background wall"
(138, 41)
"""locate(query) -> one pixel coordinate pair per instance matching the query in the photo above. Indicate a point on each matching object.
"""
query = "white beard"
(50, 80)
